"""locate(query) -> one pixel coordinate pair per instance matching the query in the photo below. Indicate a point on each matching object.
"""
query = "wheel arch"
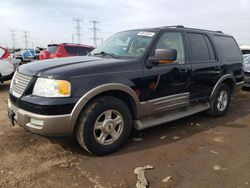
(227, 79)
(123, 92)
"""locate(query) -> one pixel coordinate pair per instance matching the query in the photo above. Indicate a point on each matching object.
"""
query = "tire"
(220, 102)
(104, 125)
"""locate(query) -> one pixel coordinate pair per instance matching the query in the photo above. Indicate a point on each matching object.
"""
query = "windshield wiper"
(106, 54)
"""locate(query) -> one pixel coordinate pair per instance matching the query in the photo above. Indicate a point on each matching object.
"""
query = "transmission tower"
(13, 36)
(78, 29)
(95, 30)
(26, 42)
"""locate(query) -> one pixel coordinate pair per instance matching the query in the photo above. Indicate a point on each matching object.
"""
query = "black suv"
(139, 78)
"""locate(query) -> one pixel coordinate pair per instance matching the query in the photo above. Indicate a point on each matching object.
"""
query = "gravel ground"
(197, 151)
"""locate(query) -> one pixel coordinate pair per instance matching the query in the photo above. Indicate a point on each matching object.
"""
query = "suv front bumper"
(47, 125)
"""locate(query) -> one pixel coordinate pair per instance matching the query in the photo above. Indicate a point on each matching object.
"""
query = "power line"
(26, 42)
(78, 29)
(94, 29)
(13, 36)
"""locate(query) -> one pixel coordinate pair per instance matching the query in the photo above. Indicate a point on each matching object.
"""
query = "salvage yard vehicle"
(26, 55)
(7, 70)
(139, 78)
(4, 53)
(65, 50)
(247, 71)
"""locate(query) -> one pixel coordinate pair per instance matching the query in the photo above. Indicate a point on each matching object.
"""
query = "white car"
(8, 66)
(7, 70)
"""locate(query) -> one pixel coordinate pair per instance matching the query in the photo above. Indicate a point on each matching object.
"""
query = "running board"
(169, 116)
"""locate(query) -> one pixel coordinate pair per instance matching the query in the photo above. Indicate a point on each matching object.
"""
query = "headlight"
(52, 88)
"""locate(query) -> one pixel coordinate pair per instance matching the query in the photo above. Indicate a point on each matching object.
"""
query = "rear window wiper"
(106, 54)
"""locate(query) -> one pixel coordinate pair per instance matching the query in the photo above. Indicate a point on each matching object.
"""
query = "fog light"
(36, 122)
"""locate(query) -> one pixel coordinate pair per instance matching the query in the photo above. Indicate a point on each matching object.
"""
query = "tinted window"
(52, 49)
(77, 50)
(200, 47)
(210, 48)
(172, 40)
(229, 47)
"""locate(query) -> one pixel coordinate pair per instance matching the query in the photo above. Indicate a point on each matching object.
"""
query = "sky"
(51, 21)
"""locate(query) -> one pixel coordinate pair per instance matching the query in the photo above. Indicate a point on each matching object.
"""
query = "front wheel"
(104, 125)
(220, 102)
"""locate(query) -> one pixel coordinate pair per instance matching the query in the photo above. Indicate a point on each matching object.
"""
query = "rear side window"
(77, 50)
(201, 48)
(229, 47)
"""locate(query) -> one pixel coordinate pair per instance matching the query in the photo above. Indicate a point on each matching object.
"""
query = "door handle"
(183, 70)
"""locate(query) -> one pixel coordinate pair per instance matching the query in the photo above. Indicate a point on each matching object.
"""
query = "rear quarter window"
(229, 48)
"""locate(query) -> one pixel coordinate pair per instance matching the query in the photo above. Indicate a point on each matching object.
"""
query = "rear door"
(206, 68)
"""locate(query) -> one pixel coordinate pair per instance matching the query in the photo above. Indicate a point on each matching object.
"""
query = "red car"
(4, 53)
(64, 50)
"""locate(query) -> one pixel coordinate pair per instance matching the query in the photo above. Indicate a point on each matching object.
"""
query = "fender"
(222, 79)
(98, 90)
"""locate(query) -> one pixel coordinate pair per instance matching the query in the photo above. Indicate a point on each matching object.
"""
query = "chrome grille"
(19, 84)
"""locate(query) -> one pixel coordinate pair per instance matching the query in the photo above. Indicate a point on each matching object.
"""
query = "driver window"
(172, 40)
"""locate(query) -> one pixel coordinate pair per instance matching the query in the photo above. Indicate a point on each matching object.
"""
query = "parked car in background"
(27, 55)
(247, 71)
(64, 50)
(245, 49)
(139, 78)
(4, 53)
(245, 56)
(7, 70)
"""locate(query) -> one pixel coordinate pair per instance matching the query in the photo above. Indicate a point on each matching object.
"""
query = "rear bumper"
(46, 125)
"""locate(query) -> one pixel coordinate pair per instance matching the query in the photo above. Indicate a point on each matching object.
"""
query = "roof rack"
(181, 26)
(175, 26)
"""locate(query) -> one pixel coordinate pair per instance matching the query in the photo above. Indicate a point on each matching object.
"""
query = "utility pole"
(26, 39)
(13, 36)
(72, 38)
(94, 29)
(78, 29)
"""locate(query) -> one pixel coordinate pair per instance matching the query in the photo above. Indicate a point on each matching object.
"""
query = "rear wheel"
(220, 102)
(104, 125)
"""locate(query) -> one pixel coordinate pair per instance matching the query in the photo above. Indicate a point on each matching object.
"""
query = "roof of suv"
(71, 44)
(181, 27)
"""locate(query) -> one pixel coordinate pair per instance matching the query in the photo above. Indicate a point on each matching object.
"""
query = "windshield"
(126, 44)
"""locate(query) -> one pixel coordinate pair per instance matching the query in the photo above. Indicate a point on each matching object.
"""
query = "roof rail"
(175, 26)
(181, 26)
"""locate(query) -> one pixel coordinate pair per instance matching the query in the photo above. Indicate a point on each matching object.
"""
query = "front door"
(168, 82)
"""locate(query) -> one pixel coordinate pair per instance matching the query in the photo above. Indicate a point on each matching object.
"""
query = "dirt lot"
(197, 151)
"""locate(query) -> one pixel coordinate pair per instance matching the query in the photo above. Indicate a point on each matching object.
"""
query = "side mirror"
(164, 56)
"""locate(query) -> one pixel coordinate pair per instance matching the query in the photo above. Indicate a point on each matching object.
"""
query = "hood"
(73, 66)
